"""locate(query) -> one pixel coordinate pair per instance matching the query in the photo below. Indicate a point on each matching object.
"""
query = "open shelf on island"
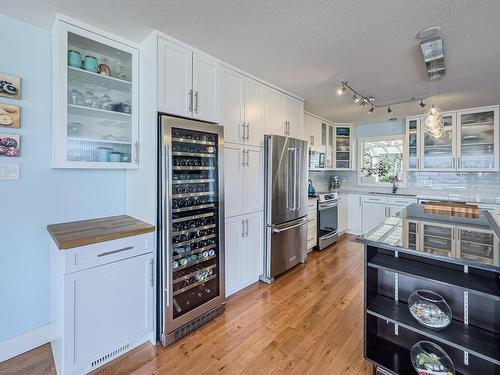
(479, 342)
(471, 282)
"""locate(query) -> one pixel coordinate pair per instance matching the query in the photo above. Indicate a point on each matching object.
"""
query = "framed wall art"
(9, 145)
(10, 116)
(10, 86)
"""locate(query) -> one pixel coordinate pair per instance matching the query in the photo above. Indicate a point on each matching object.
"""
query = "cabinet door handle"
(418, 163)
(243, 157)
(458, 162)
(246, 232)
(151, 280)
(196, 102)
(248, 158)
(191, 100)
(243, 128)
(248, 131)
(312, 140)
(242, 228)
(359, 200)
(106, 253)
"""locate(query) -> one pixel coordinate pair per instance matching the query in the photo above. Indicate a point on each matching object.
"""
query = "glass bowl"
(429, 309)
(429, 358)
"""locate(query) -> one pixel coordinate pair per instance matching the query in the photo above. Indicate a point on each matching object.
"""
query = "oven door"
(327, 224)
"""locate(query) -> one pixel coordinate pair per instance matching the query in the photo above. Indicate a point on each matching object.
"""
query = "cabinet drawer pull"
(106, 253)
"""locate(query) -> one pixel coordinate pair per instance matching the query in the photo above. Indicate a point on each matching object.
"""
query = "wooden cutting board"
(86, 232)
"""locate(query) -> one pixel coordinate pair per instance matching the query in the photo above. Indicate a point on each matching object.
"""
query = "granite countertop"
(477, 245)
(438, 194)
(86, 232)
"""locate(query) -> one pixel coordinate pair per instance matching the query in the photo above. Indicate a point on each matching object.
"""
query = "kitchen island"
(454, 256)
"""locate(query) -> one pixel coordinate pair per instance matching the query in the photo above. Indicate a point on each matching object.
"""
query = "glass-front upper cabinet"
(439, 154)
(477, 132)
(413, 139)
(343, 143)
(96, 100)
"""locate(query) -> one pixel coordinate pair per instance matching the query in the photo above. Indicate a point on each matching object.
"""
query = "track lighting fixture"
(363, 100)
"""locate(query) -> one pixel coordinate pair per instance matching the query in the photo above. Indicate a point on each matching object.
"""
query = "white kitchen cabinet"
(95, 117)
(355, 214)
(284, 115)
(343, 214)
(312, 226)
(413, 137)
(102, 301)
(175, 78)
(373, 215)
(242, 112)
(233, 105)
(295, 117)
(343, 147)
(477, 139)
(254, 112)
(187, 82)
(275, 112)
(243, 175)
(440, 154)
(205, 87)
(243, 251)
(312, 132)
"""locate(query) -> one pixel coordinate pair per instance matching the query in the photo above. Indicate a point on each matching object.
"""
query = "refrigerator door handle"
(291, 180)
(297, 174)
(280, 230)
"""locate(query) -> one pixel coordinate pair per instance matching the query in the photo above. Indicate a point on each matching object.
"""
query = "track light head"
(371, 109)
(389, 110)
(422, 104)
(341, 89)
(355, 99)
(371, 99)
(363, 102)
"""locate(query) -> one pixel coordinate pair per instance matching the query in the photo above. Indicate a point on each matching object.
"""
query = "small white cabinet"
(284, 115)
(312, 226)
(187, 82)
(355, 214)
(343, 214)
(102, 301)
(242, 113)
(243, 251)
(373, 214)
(243, 179)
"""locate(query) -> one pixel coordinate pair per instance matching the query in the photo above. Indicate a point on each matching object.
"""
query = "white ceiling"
(308, 47)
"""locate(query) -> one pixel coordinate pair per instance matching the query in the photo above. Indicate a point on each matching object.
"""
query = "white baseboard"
(25, 342)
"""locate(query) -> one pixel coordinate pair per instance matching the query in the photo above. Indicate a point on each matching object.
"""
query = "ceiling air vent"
(433, 52)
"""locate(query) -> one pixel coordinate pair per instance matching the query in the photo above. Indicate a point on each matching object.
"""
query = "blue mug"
(74, 59)
(90, 64)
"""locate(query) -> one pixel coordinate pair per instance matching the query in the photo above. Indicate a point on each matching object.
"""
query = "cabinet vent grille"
(107, 357)
(198, 322)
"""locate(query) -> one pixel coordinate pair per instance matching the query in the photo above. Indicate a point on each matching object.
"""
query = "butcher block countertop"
(87, 232)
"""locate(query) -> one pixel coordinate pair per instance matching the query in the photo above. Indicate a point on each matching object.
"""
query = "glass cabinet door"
(439, 154)
(477, 136)
(437, 239)
(478, 245)
(96, 80)
(413, 132)
(342, 147)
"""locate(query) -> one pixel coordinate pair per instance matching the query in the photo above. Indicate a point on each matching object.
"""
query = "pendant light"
(433, 120)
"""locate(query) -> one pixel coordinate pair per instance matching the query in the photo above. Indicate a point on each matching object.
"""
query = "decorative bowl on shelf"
(430, 359)
(429, 309)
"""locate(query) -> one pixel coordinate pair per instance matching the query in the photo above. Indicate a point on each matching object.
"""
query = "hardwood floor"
(308, 322)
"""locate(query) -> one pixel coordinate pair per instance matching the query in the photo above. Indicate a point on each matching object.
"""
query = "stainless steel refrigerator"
(285, 176)
(191, 225)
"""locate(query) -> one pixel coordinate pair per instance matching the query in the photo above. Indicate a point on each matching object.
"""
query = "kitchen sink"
(396, 194)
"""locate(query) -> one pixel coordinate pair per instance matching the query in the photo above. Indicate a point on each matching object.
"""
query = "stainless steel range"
(327, 219)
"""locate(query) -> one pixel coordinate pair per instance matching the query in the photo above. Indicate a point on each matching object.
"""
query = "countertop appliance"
(285, 186)
(327, 219)
(191, 226)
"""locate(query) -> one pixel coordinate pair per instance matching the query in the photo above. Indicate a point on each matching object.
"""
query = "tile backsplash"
(469, 183)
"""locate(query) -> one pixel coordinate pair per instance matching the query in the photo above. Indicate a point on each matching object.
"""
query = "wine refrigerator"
(191, 225)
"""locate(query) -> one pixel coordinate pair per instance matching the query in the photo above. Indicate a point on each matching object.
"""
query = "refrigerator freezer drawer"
(288, 245)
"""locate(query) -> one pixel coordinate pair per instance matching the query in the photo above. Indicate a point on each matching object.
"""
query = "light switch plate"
(9, 171)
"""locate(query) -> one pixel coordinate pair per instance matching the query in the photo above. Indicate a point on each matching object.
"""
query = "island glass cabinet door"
(437, 239)
(477, 134)
(440, 154)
